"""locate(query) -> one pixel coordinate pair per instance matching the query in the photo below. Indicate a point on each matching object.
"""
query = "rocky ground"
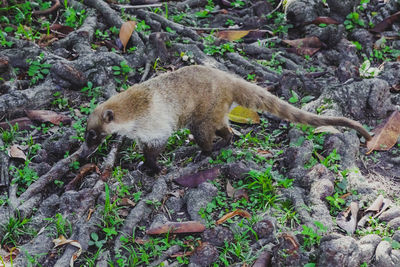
(294, 196)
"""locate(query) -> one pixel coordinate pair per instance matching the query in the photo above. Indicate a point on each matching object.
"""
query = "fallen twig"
(136, 6)
(50, 10)
(83, 171)
(180, 29)
(146, 71)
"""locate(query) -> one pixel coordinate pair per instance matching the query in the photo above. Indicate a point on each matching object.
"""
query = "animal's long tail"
(255, 97)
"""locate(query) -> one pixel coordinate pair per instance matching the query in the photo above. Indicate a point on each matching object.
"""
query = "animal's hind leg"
(226, 136)
(203, 135)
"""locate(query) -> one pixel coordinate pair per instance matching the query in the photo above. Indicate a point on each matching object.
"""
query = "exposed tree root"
(56, 172)
(109, 162)
(172, 250)
(141, 211)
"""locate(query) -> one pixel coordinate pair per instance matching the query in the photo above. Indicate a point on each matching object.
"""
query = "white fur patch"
(152, 128)
(233, 105)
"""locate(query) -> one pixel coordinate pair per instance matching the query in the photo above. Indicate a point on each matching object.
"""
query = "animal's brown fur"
(196, 97)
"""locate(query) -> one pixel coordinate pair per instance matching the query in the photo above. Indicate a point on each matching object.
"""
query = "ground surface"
(294, 192)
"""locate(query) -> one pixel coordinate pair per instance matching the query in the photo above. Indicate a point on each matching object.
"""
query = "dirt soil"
(297, 196)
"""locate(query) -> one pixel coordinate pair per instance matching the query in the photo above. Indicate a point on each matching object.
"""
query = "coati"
(197, 97)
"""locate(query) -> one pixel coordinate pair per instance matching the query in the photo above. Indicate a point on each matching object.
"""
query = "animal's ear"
(108, 115)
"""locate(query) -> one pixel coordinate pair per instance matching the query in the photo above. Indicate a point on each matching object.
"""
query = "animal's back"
(194, 93)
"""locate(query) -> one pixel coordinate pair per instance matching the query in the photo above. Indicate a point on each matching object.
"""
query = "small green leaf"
(8, 29)
(294, 98)
(307, 99)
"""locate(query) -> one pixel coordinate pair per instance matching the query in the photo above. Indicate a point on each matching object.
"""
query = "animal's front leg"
(151, 153)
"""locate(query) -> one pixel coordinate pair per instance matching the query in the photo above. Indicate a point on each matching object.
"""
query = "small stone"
(287, 252)
(396, 236)
(386, 256)
(390, 214)
(198, 198)
(339, 251)
(237, 170)
(204, 255)
(321, 189)
(394, 224)
(264, 229)
(174, 204)
(217, 236)
(159, 220)
(367, 246)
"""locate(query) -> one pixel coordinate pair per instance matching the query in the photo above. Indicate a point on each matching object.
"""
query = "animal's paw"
(201, 155)
(151, 170)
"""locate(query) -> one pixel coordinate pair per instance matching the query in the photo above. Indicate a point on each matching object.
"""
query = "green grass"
(14, 230)
(24, 177)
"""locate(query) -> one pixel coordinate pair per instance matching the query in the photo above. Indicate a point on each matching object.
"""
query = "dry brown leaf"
(230, 190)
(182, 254)
(229, 215)
(8, 255)
(126, 31)
(193, 180)
(386, 22)
(386, 135)
(105, 174)
(61, 240)
(82, 172)
(127, 202)
(240, 193)
(15, 152)
(141, 241)
(320, 157)
(376, 205)
(236, 193)
(48, 116)
(232, 35)
(241, 114)
(292, 246)
(46, 40)
(177, 228)
(386, 204)
(177, 193)
(305, 46)
(313, 42)
(324, 20)
(123, 212)
(63, 29)
(24, 123)
(347, 220)
(396, 87)
(264, 152)
(344, 196)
